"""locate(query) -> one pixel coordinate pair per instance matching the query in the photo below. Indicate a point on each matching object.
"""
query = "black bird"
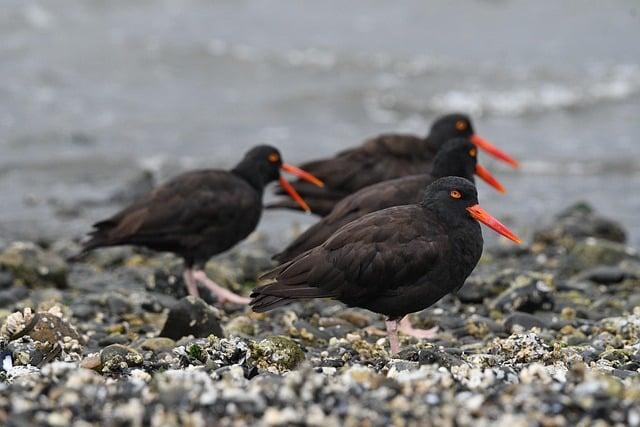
(395, 261)
(458, 157)
(382, 158)
(200, 214)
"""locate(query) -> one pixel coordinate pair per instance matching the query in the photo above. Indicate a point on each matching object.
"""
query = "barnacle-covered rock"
(33, 266)
(277, 354)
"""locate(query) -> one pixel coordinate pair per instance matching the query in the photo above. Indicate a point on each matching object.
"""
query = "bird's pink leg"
(407, 328)
(392, 332)
(223, 294)
(190, 282)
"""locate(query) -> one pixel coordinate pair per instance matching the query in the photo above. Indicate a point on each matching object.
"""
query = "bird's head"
(459, 157)
(454, 198)
(267, 163)
(459, 125)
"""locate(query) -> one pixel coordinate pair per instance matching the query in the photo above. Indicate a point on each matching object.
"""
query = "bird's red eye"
(461, 125)
(473, 152)
(274, 158)
(455, 194)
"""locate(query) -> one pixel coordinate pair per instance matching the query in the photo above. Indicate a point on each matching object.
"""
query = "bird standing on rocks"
(200, 214)
(382, 158)
(394, 261)
(458, 157)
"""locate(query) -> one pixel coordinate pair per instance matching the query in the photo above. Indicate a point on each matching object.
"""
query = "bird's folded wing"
(373, 255)
(185, 204)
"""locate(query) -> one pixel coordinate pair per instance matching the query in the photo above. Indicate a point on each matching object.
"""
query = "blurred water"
(95, 91)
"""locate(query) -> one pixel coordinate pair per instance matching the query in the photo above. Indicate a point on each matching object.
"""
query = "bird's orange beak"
(484, 217)
(484, 173)
(493, 150)
(302, 174)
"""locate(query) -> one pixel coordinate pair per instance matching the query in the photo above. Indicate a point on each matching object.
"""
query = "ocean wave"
(320, 58)
(404, 84)
(578, 168)
(615, 84)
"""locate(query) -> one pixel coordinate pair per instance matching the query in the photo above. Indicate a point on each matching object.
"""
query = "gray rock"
(592, 252)
(605, 275)
(192, 316)
(528, 292)
(580, 221)
(6, 279)
(117, 357)
(34, 266)
(11, 296)
(277, 354)
(158, 344)
(473, 292)
(113, 339)
(525, 320)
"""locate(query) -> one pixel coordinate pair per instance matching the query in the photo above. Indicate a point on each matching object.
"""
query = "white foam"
(621, 83)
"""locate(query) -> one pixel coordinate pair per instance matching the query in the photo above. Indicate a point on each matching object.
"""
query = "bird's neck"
(466, 245)
(249, 173)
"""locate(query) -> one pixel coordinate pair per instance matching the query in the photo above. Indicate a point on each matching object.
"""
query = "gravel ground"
(546, 334)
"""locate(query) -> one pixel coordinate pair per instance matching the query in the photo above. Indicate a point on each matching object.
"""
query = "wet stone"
(581, 221)
(6, 279)
(34, 266)
(113, 339)
(192, 316)
(158, 344)
(117, 357)
(524, 320)
(9, 297)
(593, 252)
(605, 275)
(528, 292)
(277, 354)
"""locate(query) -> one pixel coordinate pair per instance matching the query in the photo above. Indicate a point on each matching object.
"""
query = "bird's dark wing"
(395, 192)
(178, 211)
(379, 159)
(368, 258)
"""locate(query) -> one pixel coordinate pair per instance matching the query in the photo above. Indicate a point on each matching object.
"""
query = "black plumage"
(458, 157)
(382, 158)
(394, 261)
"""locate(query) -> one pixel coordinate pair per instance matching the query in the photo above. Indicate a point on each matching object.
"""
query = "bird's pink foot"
(392, 332)
(407, 328)
(224, 295)
(190, 282)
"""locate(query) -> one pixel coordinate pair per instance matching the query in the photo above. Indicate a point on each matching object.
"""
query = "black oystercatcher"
(200, 214)
(395, 261)
(383, 158)
(458, 157)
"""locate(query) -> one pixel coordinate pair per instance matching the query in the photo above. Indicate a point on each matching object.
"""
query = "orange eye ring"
(461, 125)
(473, 152)
(273, 158)
(455, 194)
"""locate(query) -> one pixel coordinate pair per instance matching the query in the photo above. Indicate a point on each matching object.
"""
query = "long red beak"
(483, 173)
(493, 150)
(302, 174)
(484, 217)
(294, 194)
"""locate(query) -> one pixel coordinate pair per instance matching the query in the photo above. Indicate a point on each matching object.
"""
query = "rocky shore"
(547, 334)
